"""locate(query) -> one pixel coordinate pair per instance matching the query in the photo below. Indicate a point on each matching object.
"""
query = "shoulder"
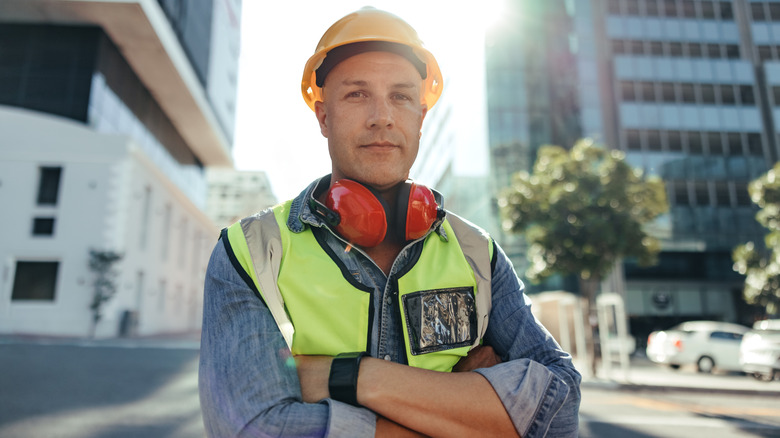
(474, 234)
(462, 225)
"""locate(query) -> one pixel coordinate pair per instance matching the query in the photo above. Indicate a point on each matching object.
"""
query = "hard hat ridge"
(370, 29)
(341, 53)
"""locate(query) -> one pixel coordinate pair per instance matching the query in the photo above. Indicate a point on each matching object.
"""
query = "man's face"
(372, 115)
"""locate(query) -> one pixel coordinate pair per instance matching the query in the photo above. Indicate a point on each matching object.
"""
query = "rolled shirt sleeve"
(537, 383)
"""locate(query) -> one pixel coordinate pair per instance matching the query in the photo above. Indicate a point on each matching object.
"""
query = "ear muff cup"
(422, 211)
(363, 214)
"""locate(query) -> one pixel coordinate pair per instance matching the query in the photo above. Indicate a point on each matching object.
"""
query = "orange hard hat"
(364, 30)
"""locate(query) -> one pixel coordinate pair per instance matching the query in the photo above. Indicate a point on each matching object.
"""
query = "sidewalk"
(185, 340)
(642, 374)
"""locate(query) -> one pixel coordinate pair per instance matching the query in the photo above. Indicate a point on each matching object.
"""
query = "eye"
(402, 97)
(355, 94)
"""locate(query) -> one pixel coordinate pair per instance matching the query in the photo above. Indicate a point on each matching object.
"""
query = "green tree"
(761, 265)
(582, 210)
(101, 263)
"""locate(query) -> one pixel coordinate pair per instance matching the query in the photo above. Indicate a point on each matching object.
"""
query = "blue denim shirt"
(249, 385)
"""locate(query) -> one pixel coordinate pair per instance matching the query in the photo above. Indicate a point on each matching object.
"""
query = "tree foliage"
(581, 210)
(101, 263)
(761, 265)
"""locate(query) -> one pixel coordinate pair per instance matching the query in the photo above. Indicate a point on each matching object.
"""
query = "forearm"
(391, 429)
(433, 403)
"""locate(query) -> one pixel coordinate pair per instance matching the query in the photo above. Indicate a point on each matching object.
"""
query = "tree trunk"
(588, 289)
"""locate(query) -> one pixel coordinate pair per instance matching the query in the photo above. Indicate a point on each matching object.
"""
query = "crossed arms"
(250, 385)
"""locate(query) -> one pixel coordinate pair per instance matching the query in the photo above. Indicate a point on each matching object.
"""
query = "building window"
(765, 53)
(755, 145)
(715, 144)
(707, 93)
(708, 10)
(651, 8)
(627, 91)
(726, 13)
(774, 11)
(614, 7)
(688, 9)
(727, 96)
(166, 232)
(743, 196)
(670, 8)
(35, 281)
(43, 226)
(632, 7)
(746, 95)
(694, 50)
(688, 93)
(146, 206)
(757, 12)
(49, 185)
(667, 92)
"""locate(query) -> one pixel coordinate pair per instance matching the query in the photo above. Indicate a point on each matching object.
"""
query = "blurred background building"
(110, 112)
(235, 194)
(688, 89)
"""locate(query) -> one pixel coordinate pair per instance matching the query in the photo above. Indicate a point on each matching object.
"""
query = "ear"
(423, 112)
(321, 113)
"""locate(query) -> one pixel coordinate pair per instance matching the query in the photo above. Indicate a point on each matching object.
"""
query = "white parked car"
(759, 353)
(707, 344)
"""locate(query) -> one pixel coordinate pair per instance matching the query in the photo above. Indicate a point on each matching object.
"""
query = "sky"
(276, 132)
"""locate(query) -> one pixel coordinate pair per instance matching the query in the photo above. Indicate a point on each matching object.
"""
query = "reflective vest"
(443, 299)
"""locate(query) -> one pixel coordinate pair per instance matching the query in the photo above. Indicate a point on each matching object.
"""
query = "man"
(361, 308)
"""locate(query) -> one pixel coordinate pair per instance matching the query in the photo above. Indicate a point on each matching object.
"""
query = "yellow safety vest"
(443, 298)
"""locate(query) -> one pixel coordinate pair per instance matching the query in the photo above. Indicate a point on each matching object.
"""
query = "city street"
(148, 388)
(98, 390)
(626, 413)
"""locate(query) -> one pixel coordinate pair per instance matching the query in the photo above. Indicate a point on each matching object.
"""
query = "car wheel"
(706, 364)
(674, 366)
(762, 377)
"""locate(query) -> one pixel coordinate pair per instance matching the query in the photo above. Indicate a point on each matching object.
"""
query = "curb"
(637, 387)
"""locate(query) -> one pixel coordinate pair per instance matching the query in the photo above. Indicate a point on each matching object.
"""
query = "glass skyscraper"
(687, 89)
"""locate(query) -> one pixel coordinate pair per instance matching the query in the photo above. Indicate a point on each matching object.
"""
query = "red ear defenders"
(362, 217)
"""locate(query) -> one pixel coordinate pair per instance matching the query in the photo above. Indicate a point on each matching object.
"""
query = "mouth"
(380, 144)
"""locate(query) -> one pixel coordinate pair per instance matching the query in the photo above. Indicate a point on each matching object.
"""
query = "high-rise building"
(687, 89)
(110, 112)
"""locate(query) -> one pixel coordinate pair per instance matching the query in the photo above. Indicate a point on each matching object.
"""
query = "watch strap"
(342, 381)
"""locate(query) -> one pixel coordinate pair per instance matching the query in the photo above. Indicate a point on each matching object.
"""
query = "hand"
(482, 356)
(313, 373)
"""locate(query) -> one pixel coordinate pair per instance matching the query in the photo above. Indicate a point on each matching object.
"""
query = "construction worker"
(362, 307)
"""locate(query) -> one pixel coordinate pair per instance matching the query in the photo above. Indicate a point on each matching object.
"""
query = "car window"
(726, 335)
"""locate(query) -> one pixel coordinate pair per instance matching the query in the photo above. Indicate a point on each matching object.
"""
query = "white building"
(109, 112)
(235, 194)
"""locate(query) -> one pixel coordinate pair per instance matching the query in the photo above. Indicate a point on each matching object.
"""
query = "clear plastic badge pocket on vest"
(440, 319)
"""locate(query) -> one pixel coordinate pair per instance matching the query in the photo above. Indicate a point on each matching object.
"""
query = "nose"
(381, 115)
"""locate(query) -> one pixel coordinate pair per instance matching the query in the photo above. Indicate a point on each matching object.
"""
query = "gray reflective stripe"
(264, 240)
(476, 245)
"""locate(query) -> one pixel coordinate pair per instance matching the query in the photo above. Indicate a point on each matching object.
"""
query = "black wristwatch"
(342, 381)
